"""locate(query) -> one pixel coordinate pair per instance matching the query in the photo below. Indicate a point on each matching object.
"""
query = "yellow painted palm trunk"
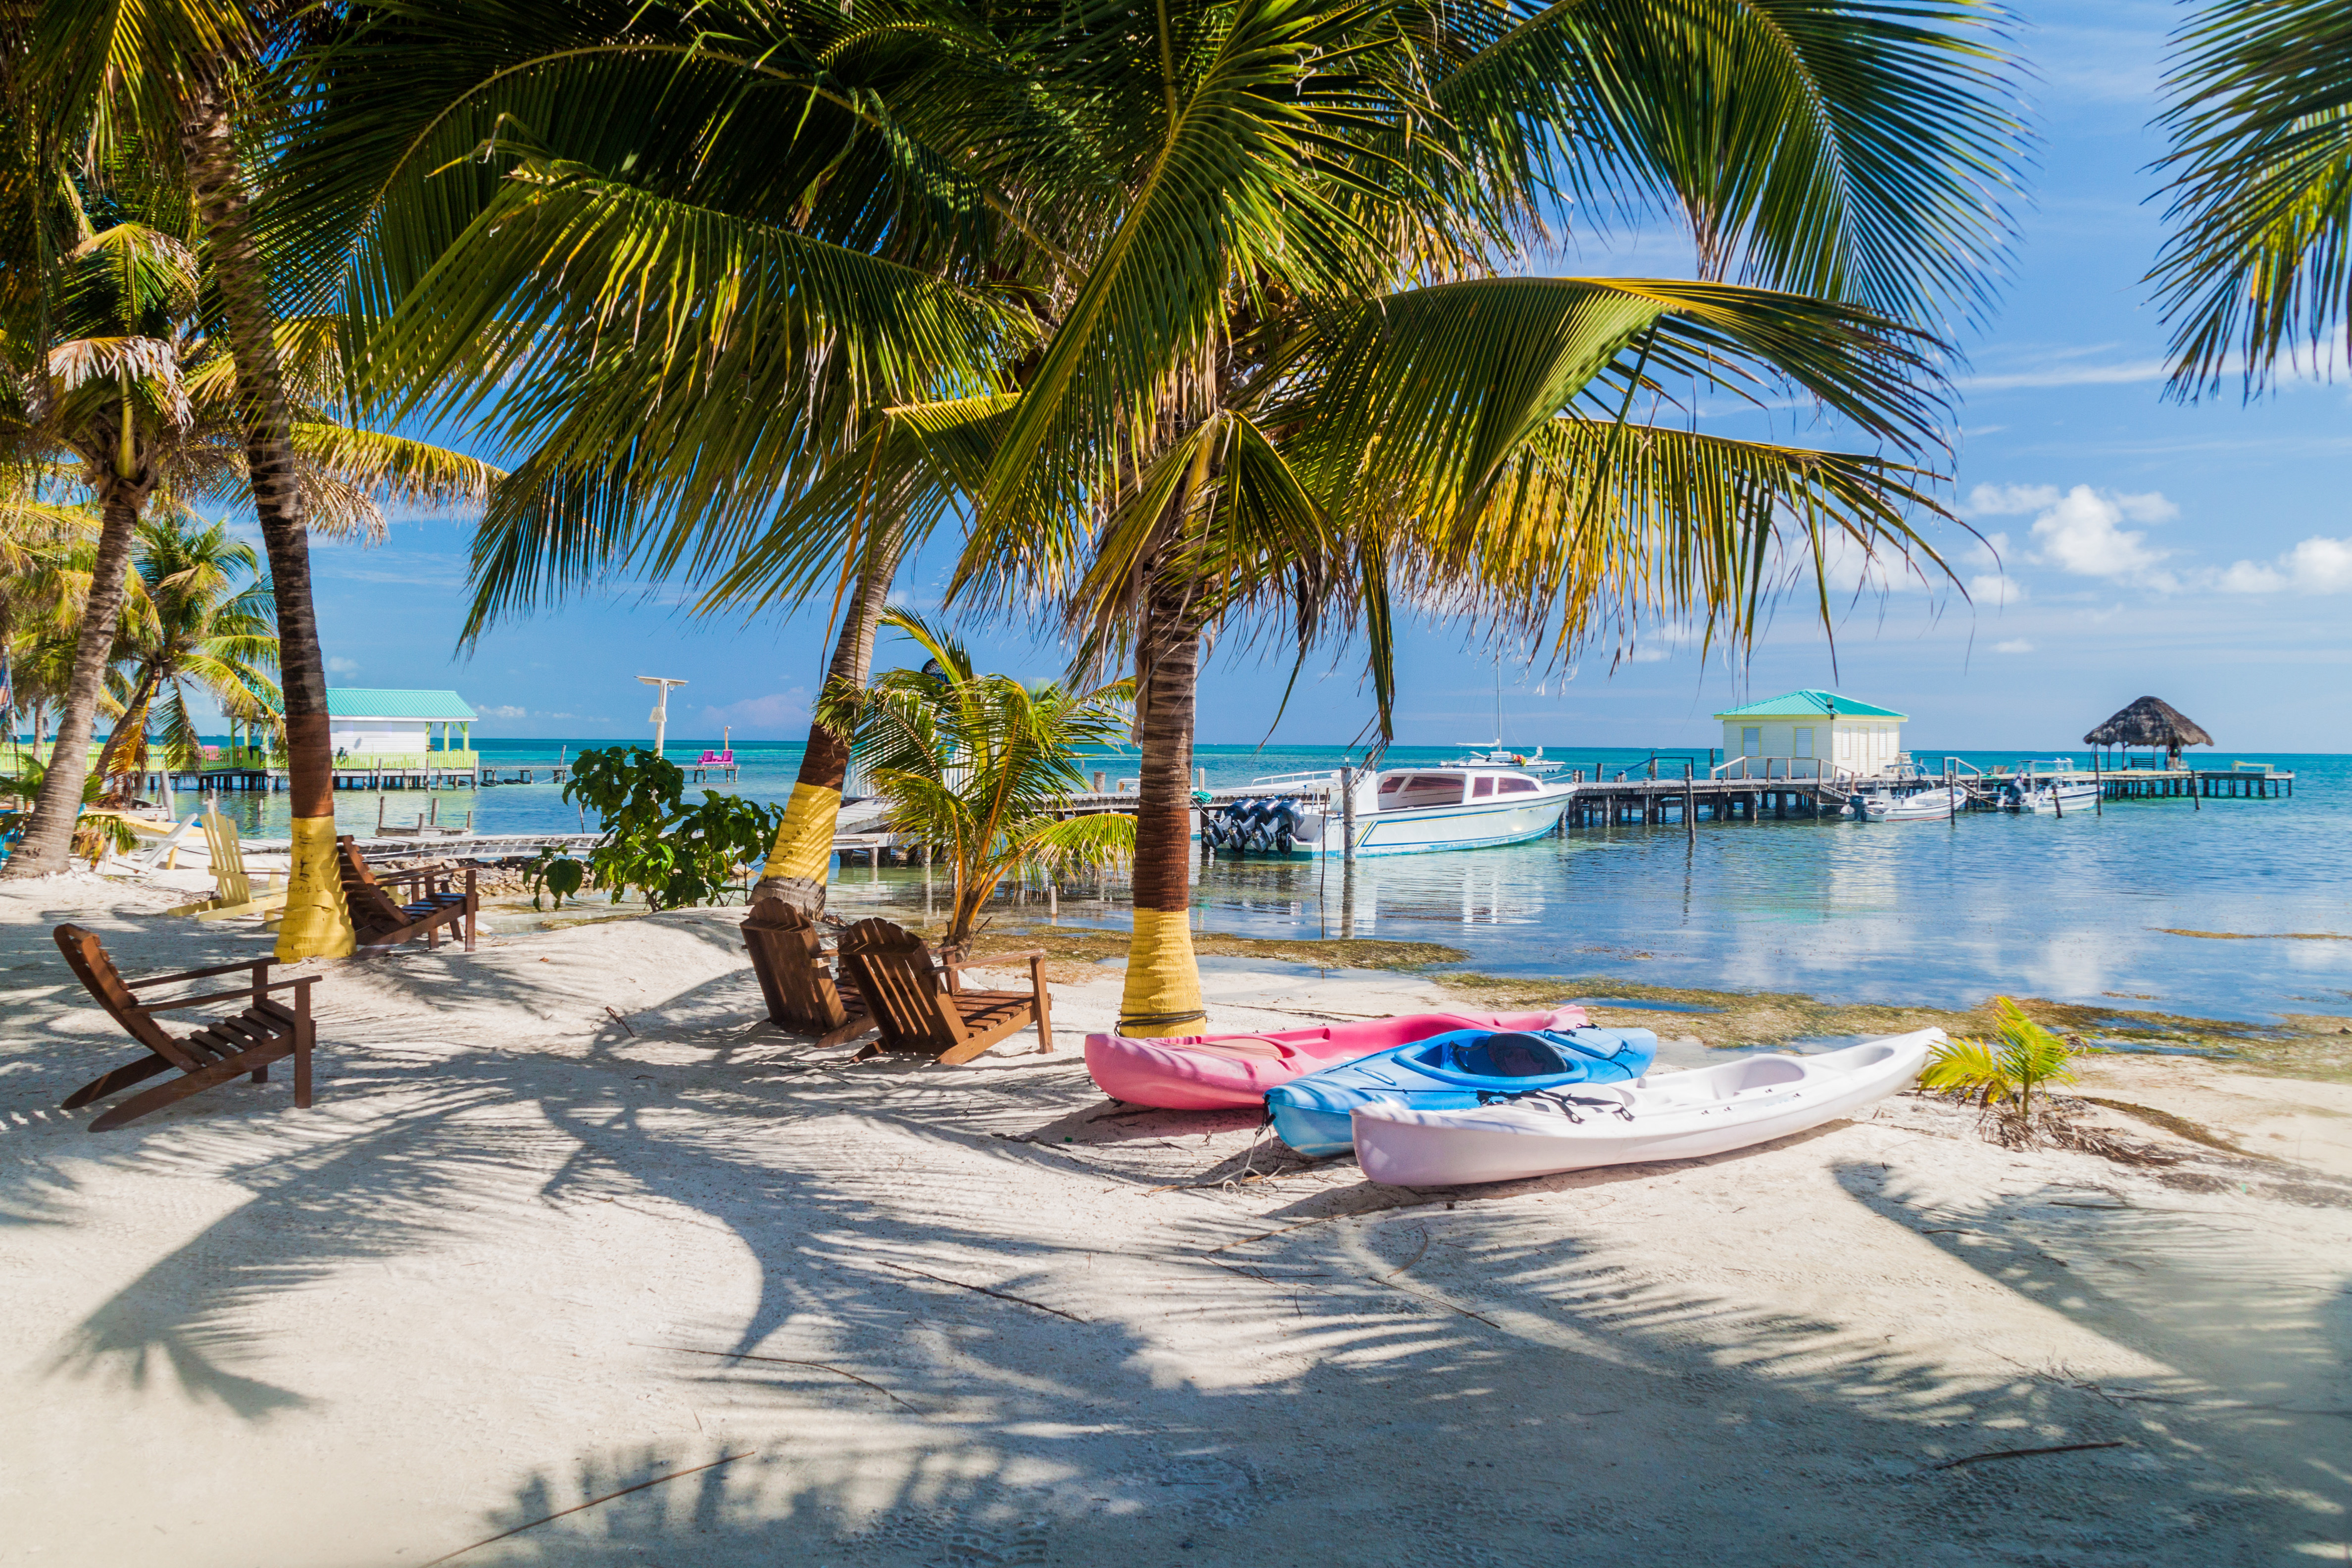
(1162, 996)
(317, 924)
(803, 853)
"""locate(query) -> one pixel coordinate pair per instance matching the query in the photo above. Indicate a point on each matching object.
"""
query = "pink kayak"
(1214, 1072)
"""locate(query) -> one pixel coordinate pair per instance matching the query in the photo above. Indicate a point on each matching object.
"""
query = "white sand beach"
(568, 1217)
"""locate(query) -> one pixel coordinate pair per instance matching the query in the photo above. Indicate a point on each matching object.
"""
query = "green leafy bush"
(673, 852)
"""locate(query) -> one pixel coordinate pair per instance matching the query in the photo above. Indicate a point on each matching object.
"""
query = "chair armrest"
(245, 995)
(990, 961)
(201, 973)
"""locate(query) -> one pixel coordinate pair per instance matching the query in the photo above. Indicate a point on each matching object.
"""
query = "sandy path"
(483, 1279)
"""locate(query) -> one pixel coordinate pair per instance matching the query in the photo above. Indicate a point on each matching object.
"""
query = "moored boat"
(1670, 1116)
(1460, 804)
(2032, 792)
(1880, 803)
(1215, 1072)
(1460, 1069)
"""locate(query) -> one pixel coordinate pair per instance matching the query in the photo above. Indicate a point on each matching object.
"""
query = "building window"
(1751, 740)
(1804, 741)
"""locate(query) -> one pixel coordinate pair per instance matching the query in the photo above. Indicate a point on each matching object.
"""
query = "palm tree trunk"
(49, 840)
(135, 720)
(795, 870)
(1164, 979)
(317, 924)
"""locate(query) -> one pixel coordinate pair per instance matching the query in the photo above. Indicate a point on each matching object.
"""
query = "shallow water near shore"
(2079, 910)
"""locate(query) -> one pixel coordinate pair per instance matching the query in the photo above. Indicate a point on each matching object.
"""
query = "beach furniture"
(804, 992)
(918, 1002)
(1674, 1116)
(232, 886)
(1222, 1072)
(1459, 1071)
(265, 1031)
(382, 922)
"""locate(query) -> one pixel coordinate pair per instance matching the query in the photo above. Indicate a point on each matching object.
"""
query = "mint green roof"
(366, 702)
(1810, 704)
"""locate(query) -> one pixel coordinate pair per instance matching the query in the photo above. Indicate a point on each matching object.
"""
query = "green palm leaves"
(2261, 191)
(2003, 1073)
(978, 763)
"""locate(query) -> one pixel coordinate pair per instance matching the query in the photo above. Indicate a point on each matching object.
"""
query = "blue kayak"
(1456, 1071)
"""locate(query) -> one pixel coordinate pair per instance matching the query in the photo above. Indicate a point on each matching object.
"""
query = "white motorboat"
(1497, 755)
(1399, 810)
(2058, 791)
(1880, 803)
(1661, 1116)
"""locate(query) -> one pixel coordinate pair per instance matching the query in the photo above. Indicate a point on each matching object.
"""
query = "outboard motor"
(1283, 822)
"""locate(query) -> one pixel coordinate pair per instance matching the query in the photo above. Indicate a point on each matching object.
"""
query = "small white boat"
(1399, 810)
(2030, 790)
(1662, 1116)
(1499, 755)
(1880, 803)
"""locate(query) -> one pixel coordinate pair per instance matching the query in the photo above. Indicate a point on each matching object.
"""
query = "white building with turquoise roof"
(372, 728)
(1813, 734)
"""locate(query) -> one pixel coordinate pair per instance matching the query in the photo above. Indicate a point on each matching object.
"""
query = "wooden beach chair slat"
(918, 1008)
(380, 921)
(800, 983)
(245, 1043)
(232, 893)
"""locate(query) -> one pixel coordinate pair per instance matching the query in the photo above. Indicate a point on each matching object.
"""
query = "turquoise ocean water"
(2074, 909)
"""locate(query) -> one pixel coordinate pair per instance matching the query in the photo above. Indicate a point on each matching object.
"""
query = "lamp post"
(660, 715)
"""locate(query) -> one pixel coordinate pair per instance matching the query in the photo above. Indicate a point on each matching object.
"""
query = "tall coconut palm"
(198, 83)
(1265, 247)
(2258, 262)
(209, 626)
(120, 374)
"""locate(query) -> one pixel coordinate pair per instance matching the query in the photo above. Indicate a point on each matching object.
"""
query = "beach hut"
(2153, 723)
(381, 729)
(1813, 734)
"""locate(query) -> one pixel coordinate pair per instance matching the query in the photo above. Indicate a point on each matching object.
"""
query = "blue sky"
(2198, 552)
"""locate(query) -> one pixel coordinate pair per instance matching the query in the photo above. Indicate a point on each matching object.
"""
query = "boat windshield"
(1403, 792)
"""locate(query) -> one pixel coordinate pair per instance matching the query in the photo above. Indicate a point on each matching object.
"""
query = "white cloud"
(1987, 551)
(2081, 532)
(339, 666)
(2067, 376)
(2317, 566)
(503, 713)
(1995, 590)
(2010, 501)
(2014, 644)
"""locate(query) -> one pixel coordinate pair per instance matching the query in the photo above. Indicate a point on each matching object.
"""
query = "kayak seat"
(1507, 1055)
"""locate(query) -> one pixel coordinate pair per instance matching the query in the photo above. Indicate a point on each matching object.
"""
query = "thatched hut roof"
(2150, 721)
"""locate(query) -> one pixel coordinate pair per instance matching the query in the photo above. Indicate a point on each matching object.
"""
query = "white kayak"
(1662, 1116)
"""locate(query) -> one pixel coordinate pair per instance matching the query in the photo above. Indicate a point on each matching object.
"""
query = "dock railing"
(1819, 769)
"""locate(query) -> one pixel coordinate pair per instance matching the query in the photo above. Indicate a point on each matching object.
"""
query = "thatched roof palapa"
(2151, 722)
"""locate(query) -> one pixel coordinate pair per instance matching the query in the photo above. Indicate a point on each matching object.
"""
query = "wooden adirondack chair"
(265, 1031)
(383, 923)
(919, 1002)
(232, 888)
(806, 993)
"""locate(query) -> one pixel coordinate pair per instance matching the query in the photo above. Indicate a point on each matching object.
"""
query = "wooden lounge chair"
(265, 1031)
(383, 923)
(919, 1005)
(233, 892)
(803, 991)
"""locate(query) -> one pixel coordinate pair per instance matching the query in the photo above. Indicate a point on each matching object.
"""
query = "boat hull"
(1675, 1116)
(1222, 1072)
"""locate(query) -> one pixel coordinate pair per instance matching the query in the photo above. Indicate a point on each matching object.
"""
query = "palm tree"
(202, 79)
(119, 373)
(977, 765)
(209, 626)
(1268, 353)
(2259, 189)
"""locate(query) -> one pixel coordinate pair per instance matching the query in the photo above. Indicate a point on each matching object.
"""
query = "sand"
(568, 1217)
